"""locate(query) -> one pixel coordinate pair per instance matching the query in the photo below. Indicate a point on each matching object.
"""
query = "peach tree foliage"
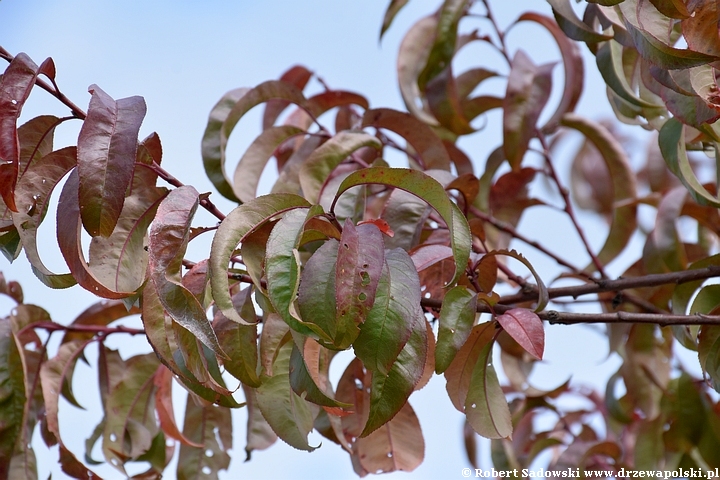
(402, 266)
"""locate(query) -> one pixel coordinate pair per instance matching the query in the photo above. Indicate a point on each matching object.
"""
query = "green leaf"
(240, 341)
(107, 148)
(226, 114)
(12, 396)
(528, 90)
(282, 268)
(259, 434)
(391, 320)
(418, 135)
(316, 170)
(393, 8)
(210, 427)
(572, 26)
(32, 197)
(309, 369)
(169, 237)
(457, 316)
(624, 219)
(253, 162)
(486, 408)
(609, 59)
(672, 147)
(289, 415)
(239, 223)
(389, 393)
(428, 189)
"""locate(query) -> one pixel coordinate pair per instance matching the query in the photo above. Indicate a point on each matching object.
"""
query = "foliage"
(397, 264)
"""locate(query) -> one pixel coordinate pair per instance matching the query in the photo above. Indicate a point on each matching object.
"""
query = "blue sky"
(182, 56)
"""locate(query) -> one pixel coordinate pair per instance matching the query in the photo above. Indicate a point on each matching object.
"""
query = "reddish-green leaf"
(460, 371)
(543, 297)
(486, 408)
(164, 406)
(52, 375)
(528, 90)
(392, 10)
(12, 396)
(526, 328)
(169, 237)
(417, 134)
(252, 163)
(432, 192)
(389, 393)
(242, 221)
(316, 170)
(457, 316)
(107, 148)
(259, 434)
(15, 86)
(572, 26)
(391, 320)
(623, 181)
(32, 197)
(210, 427)
(240, 341)
(309, 369)
(296, 75)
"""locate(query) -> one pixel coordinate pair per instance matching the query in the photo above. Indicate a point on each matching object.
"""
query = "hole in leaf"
(362, 297)
(346, 245)
(365, 278)
(358, 384)
(209, 453)
(113, 437)
(206, 470)
(389, 454)
(472, 406)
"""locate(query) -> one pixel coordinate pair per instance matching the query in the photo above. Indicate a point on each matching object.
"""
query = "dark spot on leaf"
(362, 297)
(365, 278)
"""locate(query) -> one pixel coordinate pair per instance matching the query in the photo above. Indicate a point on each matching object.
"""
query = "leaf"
(528, 90)
(210, 427)
(107, 148)
(389, 393)
(32, 197)
(428, 189)
(417, 134)
(129, 422)
(406, 214)
(610, 62)
(486, 408)
(168, 241)
(296, 75)
(52, 375)
(543, 297)
(309, 369)
(572, 26)
(252, 163)
(239, 223)
(69, 241)
(443, 48)
(16, 84)
(224, 117)
(390, 13)
(457, 316)
(391, 319)
(526, 328)
(460, 371)
(316, 170)
(288, 414)
(572, 63)
(623, 180)
(412, 58)
(162, 381)
(73, 467)
(12, 396)
(282, 268)
(240, 341)
(672, 146)
(360, 260)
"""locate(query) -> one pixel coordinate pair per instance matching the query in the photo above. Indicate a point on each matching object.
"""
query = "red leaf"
(164, 407)
(107, 148)
(381, 224)
(15, 87)
(526, 328)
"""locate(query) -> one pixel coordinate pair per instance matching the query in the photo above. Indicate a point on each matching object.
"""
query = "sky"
(182, 56)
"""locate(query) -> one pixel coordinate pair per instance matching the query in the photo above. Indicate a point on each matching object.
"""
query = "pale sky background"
(182, 57)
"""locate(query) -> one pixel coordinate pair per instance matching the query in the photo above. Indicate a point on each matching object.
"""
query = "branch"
(570, 318)
(100, 329)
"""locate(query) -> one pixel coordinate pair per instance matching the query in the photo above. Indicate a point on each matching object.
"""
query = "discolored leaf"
(392, 10)
(210, 427)
(107, 148)
(429, 190)
(526, 328)
(168, 241)
(543, 297)
(405, 213)
(12, 396)
(572, 26)
(259, 434)
(15, 87)
(242, 221)
(162, 381)
(296, 75)
(309, 367)
(457, 317)
(391, 320)
(417, 134)
(486, 408)
(528, 90)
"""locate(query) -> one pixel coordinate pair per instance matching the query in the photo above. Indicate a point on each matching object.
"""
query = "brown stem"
(99, 329)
